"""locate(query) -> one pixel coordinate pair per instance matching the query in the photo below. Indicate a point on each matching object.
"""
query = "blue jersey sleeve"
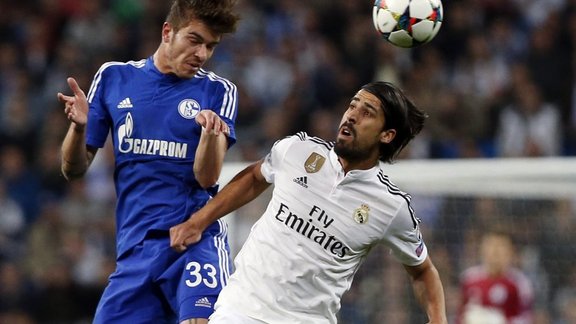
(226, 106)
(98, 116)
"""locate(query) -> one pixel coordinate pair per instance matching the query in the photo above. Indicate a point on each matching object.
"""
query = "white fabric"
(302, 254)
(228, 316)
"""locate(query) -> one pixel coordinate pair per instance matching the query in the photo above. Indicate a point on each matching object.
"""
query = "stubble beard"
(351, 152)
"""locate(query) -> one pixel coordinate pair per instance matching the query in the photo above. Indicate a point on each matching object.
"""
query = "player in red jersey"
(495, 291)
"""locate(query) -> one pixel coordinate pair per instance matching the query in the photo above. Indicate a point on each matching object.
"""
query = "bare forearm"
(75, 160)
(428, 291)
(209, 158)
(242, 189)
(431, 297)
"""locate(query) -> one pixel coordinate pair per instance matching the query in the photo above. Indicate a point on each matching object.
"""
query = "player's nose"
(352, 116)
(201, 52)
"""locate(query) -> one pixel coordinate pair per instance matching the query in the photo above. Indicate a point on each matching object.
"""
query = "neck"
(160, 61)
(365, 164)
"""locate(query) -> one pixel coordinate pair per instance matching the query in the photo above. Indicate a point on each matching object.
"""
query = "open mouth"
(193, 66)
(346, 131)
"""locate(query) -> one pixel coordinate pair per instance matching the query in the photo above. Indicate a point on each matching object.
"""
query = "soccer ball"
(407, 23)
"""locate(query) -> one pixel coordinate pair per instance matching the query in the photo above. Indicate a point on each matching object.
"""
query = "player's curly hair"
(218, 15)
(400, 114)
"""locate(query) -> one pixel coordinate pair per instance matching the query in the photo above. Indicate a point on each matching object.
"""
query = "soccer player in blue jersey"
(171, 123)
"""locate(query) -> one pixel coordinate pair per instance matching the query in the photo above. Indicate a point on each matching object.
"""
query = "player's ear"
(166, 32)
(386, 136)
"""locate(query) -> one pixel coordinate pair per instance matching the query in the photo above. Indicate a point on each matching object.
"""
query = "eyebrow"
(201, 38)
(367, 104)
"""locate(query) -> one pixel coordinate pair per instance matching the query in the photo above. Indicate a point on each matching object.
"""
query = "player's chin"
(188, 72)
(344, 139)
(187, 75)
(343, 145)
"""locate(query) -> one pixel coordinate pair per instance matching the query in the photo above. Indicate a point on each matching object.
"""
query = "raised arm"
(428, 290)
(211, 149)
(76, 157)
(243, 188)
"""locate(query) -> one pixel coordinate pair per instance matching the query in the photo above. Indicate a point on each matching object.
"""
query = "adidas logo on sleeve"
(203, 302)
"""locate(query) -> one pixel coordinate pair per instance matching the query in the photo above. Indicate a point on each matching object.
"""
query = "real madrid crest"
(314, 163)
(361, 214)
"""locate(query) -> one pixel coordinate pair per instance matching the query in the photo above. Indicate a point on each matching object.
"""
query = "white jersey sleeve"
(404, 238)
(275, 156)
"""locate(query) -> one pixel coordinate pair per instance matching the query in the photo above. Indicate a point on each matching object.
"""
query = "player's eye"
(364, 112)
(194, 41)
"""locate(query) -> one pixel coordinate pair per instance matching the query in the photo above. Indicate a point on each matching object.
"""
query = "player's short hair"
(400, 114)
(218, 15)
(499, 231)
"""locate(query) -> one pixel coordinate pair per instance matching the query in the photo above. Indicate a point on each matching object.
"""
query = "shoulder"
(116, 66)
(393, 191)
(296, 152)
(215, 80)
(303, 141)
(518, 276)
(113, 72)
(300, 145)
(390, 186)
(311, 140)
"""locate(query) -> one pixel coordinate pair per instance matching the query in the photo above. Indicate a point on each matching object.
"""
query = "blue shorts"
(154, 284)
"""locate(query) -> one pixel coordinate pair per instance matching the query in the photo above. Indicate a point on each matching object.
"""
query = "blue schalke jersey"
(151, 117)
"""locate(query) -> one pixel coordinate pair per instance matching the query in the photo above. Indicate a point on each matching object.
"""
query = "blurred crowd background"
(498, 81)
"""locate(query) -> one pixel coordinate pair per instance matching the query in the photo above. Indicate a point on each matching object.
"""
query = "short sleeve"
(273, 160)
(98, 117)
(226, 106)
(404, 238)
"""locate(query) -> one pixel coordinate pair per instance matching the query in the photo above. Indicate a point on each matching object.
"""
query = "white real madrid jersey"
(302, 254)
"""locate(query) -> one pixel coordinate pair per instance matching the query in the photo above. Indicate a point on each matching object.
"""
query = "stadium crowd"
(498, 81)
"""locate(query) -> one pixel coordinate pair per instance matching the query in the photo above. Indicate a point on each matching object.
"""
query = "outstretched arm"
(76, 158)
(428, 290)
(243, 188)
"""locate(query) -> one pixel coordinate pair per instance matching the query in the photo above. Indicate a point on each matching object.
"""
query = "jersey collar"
(152, 69)
(353, 174)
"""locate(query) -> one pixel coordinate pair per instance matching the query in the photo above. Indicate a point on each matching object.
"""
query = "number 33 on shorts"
(201, 273)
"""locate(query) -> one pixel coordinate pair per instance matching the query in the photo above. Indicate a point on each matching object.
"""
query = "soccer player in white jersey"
(331, 203)
(171, 123)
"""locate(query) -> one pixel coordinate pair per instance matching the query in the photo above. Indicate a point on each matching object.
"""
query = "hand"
(184, 234)
(76, 106)
(212, 123)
